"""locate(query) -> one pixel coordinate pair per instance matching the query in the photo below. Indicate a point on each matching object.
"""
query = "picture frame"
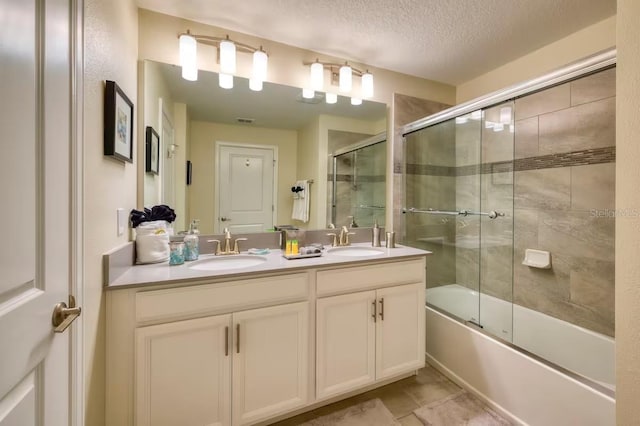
(189, 172)
(152, 151)
(118, 123)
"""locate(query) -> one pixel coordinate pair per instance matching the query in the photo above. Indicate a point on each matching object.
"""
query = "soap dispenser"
(375, 235)
(191, 241)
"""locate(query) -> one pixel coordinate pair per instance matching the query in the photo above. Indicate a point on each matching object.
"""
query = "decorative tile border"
(349, 178)
(567, 159)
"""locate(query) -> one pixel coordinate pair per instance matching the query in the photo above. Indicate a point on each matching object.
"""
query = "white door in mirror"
(245, 188)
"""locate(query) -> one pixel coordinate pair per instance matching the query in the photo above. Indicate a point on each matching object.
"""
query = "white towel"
(301, 202)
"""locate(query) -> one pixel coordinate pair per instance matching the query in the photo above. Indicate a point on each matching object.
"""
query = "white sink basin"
(222, 263)
(354, 251)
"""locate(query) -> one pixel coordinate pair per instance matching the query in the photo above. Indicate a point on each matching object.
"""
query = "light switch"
(122, 221)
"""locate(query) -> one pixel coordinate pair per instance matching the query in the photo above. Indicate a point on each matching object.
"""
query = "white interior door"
(35, 118)
(245, 182)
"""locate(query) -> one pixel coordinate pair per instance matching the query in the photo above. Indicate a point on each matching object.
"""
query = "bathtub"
(512, 382)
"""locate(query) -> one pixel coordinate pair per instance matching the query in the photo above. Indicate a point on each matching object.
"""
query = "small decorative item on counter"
(192, 241)
(294, 247)
(390, 242)
(176, 255)
(375, 235)
(288, 247)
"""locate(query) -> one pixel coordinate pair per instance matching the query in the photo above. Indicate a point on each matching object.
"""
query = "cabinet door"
(345, 343)
(183, 373)
(400, 334)
(270, 361)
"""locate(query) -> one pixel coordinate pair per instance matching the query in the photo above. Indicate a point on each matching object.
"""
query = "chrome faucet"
(227, 244)
(344, 236)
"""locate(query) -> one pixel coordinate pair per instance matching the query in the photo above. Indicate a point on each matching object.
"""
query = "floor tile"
(410, 420)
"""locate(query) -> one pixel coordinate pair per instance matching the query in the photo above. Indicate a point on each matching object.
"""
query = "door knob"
(64, 315)
(225, 219)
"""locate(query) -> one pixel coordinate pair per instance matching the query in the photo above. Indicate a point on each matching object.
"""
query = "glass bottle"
(191, 242)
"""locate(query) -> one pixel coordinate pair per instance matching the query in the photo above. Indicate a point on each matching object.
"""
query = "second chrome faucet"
(342, 239)
(227, 244)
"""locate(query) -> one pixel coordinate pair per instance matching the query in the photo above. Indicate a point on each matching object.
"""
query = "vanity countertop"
(162, 273)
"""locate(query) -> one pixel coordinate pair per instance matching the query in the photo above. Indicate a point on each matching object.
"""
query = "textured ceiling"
(451, 41)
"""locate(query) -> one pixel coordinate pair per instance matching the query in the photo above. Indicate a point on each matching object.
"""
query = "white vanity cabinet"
(244, 350)
(368, 336)
(208, 354)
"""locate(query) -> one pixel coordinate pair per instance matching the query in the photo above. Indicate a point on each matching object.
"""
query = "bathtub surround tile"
(526, 138)
(577, 233)
(543, 189)
(594, 87)
(590, 125)
(496, 271)
(552, 99)
(567, 159)
(593, 187)
(461, 408)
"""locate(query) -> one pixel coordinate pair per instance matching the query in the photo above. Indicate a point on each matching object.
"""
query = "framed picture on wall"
(118, 123)
(152, 151)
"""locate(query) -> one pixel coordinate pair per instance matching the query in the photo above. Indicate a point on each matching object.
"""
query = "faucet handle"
(334, 241)
(217, 251)
(235, 244)
(346, 238)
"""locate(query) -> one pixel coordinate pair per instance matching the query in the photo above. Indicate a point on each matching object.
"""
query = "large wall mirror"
(245, 149)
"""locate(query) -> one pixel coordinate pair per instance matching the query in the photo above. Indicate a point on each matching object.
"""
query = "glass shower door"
(442, 199)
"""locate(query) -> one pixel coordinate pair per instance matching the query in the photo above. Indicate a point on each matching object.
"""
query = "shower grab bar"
(492, 214)
(361, 206)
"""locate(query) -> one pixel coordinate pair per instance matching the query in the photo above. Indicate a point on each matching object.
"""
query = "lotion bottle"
(375, 235)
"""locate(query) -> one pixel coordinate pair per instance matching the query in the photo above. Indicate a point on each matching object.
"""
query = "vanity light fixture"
(188, 56)
(226, 50)
(330, 98)
(308, 93)
(342, 76)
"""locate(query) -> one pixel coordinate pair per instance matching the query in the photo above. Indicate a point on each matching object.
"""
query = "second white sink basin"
(221, 263)
(355, 251)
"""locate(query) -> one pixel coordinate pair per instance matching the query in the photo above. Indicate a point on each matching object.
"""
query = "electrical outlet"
(122, 221)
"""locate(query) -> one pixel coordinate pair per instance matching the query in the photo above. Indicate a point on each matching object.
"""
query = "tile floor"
(400, 398)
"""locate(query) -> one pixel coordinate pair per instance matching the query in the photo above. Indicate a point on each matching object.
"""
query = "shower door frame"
(373, 140)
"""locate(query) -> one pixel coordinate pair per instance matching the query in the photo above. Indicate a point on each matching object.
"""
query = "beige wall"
(110, 52)
(155, 89)
(590, 40)
(204, 136)
(628, 228)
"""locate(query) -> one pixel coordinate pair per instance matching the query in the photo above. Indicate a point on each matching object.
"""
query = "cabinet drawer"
(346, 280)
(190, 301)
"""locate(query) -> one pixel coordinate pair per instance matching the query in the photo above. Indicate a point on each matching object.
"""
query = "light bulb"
(259, 70)
(367, 85)
(308, 93)
(331, 98)
(227, 57)
(316, 76)
(505, 115)
(356, 101)
(345, 78)
(188, 57)
(225, 81)
(255, 84)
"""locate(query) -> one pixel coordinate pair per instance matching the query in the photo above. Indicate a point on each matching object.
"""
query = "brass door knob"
(64, 315)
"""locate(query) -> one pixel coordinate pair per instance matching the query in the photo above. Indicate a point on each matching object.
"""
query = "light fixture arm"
(335, 67)
(215, 42)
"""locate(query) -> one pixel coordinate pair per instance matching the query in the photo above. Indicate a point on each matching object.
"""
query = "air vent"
(245, 120)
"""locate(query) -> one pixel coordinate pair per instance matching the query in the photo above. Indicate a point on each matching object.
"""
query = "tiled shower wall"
(564, 189)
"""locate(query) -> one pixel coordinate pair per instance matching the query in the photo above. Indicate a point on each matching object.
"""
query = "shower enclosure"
(487, 189)
(358, 187)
